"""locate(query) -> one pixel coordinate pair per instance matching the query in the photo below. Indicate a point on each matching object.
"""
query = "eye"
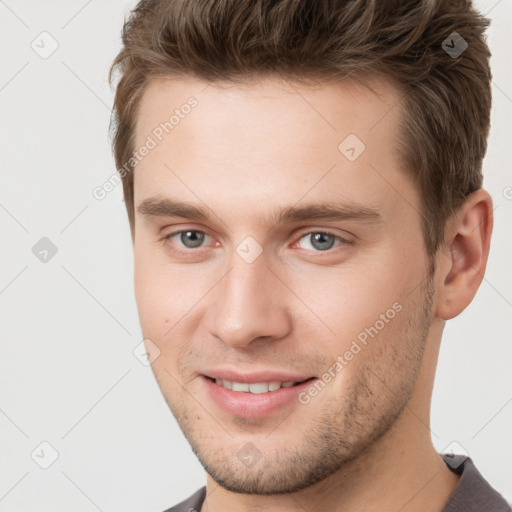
(190, 238)
(321, 241)
(318, 241)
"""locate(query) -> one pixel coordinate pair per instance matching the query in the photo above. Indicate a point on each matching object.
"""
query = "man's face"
(257, 294)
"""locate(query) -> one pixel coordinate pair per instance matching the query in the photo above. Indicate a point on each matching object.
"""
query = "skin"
(246, 152)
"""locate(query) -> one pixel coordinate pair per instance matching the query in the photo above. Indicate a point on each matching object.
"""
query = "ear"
(462, 259)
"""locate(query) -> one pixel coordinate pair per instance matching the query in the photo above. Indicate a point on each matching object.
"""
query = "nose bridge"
(246, 303)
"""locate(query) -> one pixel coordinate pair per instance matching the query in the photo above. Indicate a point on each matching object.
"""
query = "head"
(308, 203)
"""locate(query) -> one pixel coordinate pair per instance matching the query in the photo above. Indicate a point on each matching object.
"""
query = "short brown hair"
(445, 97)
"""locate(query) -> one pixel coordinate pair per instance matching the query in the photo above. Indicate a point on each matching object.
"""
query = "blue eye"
(190, 238)
(322, 241)
(316, 241)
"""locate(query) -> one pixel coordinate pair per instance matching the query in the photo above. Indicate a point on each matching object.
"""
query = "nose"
(249, 303)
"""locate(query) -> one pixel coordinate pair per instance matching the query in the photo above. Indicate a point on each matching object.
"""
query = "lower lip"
(253, 405)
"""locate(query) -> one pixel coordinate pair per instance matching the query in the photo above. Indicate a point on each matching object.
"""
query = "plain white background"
(69, 325)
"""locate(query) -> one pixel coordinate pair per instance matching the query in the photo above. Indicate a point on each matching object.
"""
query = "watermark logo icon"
(249, 249)
(455, 454)
(45, 45)
(249, 455)
(44, 250)
(146, 352)
(44, 455)
(351, 147)
(454, 45)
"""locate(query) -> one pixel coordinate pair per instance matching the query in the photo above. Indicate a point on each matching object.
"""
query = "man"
(303, 184)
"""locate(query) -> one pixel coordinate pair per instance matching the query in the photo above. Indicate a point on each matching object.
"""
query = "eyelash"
(167, 239)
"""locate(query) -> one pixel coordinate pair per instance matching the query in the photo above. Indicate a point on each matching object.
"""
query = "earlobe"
(463, 257)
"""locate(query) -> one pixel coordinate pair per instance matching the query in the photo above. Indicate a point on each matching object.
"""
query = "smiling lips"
(254, 395)
(256, 387)
(254, 382)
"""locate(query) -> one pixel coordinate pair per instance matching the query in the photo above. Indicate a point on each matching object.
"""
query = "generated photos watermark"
(152, 140)
(357, 345)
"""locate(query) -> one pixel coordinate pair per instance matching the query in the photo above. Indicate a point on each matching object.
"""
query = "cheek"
(163, 305)
(350, 300)
(166, 294)
(153, 292)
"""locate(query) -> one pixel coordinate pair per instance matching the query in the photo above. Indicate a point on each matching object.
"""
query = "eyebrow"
(325, 210)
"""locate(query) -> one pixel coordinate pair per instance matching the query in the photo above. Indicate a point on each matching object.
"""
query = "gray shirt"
(472, 494)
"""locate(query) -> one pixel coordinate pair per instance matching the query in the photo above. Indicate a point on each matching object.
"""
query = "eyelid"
(168, 237)
(298, 238)
(340, 238)
(325, 231)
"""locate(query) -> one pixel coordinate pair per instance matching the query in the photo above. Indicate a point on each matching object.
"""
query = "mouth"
(257, 399)
(256, 388)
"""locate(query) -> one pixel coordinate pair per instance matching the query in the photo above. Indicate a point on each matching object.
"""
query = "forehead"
(269, 138)
(269, 103)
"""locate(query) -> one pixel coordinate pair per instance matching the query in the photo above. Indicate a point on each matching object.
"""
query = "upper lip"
(255, 376)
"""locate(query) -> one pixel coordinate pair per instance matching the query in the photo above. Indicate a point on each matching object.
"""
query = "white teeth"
(256, 387)
(240, 386)
(260, 387)
(274, 385)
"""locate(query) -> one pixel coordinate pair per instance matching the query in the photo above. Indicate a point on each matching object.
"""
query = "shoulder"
(191, 504)
(473, 493)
